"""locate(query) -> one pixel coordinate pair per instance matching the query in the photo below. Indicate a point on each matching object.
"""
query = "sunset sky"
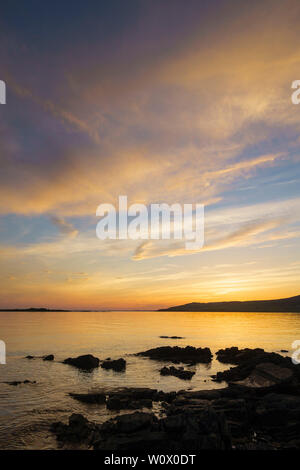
(162, 101)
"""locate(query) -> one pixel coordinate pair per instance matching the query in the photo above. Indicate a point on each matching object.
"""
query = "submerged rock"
(50, 357)
(95, 398)
(119, 403)
(86, 362)
(176, 354)
(131, 398)
(17, 382)
(118, 365)
(177, 372)
(125, 398)
(136, 393)
(172, 337)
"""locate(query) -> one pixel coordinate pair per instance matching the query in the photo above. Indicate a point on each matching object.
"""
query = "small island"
(32, 309)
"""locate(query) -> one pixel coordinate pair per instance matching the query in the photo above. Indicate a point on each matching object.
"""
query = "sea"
(27, 410)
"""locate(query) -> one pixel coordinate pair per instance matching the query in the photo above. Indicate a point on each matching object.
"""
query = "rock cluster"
(48, 357)
(118, 365)
(140, 431)
(258, 369)
(259, 409)
(235, 355)
(177, 372)
(78, 430)
(125, 398)
(85, 362)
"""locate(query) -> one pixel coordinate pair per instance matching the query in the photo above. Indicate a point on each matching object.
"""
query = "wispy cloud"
(185, 125)
(66, 116)
(65, 227)
(184, 107)
(244, 236)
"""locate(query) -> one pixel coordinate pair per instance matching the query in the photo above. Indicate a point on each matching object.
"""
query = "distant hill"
(291, 304)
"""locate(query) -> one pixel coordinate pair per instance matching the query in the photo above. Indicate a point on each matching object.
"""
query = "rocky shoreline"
(258, 409)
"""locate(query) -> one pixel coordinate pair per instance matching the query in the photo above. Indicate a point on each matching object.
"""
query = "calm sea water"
(27, 410)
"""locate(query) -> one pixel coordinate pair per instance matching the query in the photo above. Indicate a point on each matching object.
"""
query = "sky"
(165, 102)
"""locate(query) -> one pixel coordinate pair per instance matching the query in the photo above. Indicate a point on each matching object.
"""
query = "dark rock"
(235, 355)
(85, 362)
(167, 397)
(118, 365)
(284, 350)
(236, 411)
(140, 441)
(131, 398)
(203, 430)
(244, 414)
(247, 362)
(78, 430)
(16, 382)
(95, 398)
(116, 403)
(129, 423)
(172, 337)
(50, 357)
(201, 394)
(136, 398)
(177, 372)
(143, 431)
(278, 415)
(266, 375)
(204, 419)
(176, 354)
(137, 393)
(125, 398)
(237, 414)
(191, 404)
